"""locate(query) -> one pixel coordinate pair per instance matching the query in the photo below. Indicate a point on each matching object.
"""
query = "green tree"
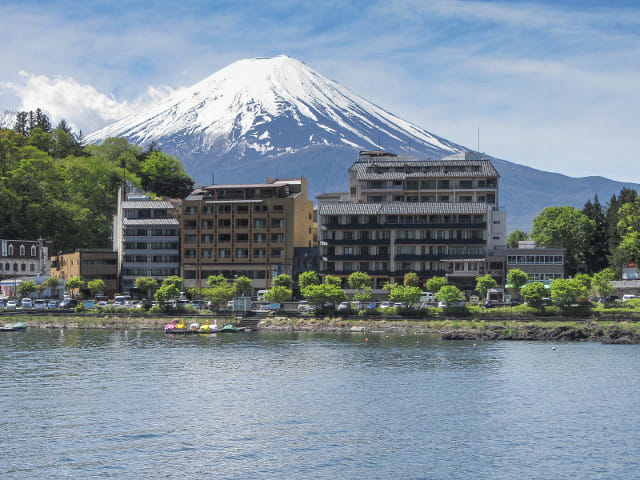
(563, 226)
(361, 282)
(324, 294)
(308, 278)
(26, 288)
(434, 284)
(597, 239)
(215, 280)
(449, 294)
(278, 294)
(533, 293)
(516, 278)
(243, 285)
(331, 280)
(405, 294)
(484, 284)
(96, 286)
(52, 283)
(601, 283)
(282, 280)
(220, 293)
(165, 175)
(146, 285)
(584, 279)
(567, 292)
(73, 284)
(516, 236)
(411, 279)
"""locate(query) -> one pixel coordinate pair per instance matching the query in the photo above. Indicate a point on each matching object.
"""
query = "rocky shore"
(618, 332)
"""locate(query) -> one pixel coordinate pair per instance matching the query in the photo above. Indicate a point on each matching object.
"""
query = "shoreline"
(587, 330)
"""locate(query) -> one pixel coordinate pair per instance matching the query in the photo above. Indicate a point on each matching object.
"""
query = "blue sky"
(553, 85)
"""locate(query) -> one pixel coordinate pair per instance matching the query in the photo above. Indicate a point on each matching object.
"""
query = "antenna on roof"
(478, 139)
(213, 179)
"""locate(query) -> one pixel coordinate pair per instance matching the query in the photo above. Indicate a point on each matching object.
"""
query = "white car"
(12, 305)
(40, 304)
(26, 303)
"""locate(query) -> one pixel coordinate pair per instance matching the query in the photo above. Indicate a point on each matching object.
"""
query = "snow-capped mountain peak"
(268, 106)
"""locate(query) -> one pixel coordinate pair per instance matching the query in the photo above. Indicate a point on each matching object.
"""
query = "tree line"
(55, 187)
(594, 238)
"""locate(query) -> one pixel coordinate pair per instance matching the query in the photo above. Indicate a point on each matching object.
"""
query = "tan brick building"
(89, 264)
(249, 230)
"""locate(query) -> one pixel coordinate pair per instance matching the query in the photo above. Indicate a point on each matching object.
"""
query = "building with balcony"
(146, 235)
(249, 230)
(539, 263)
(89, 265)
(404, 215)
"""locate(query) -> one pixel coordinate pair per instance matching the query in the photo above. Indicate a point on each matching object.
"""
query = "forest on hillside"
(54, 187)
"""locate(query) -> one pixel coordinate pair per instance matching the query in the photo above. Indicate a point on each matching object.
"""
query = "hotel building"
(249, 230)
(404, 215)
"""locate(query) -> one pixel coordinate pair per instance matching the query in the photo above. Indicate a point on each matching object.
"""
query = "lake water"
(116, 404)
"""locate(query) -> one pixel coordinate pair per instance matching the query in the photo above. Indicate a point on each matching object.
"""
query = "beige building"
(88, 264)
(249, 230)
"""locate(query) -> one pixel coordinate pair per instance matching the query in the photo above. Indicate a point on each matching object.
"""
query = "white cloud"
(82, 106)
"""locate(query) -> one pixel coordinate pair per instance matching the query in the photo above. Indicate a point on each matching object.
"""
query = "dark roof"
(401, 208)
(402, 169)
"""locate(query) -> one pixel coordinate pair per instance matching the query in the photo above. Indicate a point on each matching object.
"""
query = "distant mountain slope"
(277, 117)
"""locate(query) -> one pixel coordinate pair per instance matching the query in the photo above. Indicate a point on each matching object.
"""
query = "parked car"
(372, 306)
(344, 307)
(68, 303)
(385, 305)
(102, 303)
(39, 304)
(26, 303)
(89, 304)
(12, 305)
(52, 304)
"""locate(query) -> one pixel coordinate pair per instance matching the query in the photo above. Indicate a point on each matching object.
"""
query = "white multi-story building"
(404, 215)
(146, 235)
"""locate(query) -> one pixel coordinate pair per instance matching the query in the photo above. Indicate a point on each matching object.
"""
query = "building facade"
(22, 260)
(146, 235)
(405, 215)
(539, 263)
(249, 230)
(89, 265)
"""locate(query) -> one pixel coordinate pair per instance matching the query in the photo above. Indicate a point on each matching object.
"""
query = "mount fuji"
(277, 117)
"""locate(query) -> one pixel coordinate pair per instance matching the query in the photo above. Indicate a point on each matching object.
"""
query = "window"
(224, 237)
(242, 237)
(34, 251)
(242, 222)
(348, 250)
(224, 223)
(278, 208)
(22, 250)
(189, 239)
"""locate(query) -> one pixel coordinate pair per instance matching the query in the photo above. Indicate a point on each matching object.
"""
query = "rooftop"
(401, 208)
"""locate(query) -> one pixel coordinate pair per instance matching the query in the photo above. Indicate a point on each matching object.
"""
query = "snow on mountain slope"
(268, 106)
(277, 117)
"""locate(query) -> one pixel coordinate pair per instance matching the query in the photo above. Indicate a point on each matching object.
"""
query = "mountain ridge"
(278, 117)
